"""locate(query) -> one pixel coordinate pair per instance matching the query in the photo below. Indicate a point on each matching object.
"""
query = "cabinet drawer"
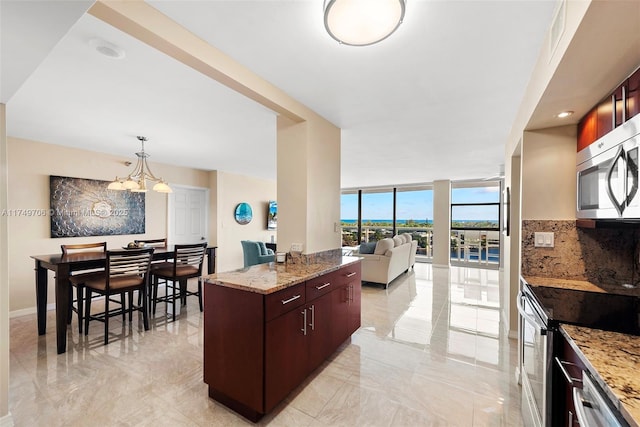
(349, 274)
(321, 285)
(283, 301)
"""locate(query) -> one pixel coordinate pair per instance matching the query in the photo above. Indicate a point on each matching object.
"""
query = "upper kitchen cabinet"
(587, 129)
(622, 104)
(633, 94)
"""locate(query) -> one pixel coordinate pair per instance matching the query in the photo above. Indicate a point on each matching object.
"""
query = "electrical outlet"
(296, 247)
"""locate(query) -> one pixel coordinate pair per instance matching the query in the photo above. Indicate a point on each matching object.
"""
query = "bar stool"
(77, 304)
(187, 264)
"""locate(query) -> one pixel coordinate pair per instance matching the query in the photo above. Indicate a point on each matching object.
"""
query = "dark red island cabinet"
(259, 347)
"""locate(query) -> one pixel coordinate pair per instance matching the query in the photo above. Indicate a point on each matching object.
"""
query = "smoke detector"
(107, 49)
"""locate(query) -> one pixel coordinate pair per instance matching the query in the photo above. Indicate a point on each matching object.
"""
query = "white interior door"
(187, 214)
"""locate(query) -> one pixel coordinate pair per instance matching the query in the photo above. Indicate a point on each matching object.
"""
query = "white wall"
(233, 189)
(5, 417)
(309, 185)
(549, 173)
(30, 164)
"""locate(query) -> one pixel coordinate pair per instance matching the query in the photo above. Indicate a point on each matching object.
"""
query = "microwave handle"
(619, 206)
(633, 168)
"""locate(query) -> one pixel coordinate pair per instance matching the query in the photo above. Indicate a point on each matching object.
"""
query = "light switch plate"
(543, 239)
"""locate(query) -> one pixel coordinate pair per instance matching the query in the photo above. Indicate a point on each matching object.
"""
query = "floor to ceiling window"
(373, 214)
(414, 215)
(349, 218)
(377, 215)
(475, 223)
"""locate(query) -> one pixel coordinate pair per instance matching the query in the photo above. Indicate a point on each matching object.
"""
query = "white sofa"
(390, 259)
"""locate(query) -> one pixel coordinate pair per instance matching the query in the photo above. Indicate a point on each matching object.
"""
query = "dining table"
(63, 266)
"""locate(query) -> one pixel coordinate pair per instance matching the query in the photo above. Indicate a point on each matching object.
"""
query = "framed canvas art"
(84, 207)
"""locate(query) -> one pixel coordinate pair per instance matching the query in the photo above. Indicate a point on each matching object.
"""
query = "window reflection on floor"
(456, 310)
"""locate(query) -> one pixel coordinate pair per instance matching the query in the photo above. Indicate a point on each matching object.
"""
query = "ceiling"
(436, 100)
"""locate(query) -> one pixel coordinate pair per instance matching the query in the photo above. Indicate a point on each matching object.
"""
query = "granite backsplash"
(600, 255)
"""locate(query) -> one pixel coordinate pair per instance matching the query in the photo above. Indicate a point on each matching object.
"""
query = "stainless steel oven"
(536, 353)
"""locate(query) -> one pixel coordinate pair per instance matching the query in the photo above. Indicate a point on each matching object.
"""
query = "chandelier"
(362, 22)
(137, 180)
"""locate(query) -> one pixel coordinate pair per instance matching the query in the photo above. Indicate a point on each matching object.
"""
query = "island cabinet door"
(319, 329)
(285, 355)
(339, 315)
(354, 304)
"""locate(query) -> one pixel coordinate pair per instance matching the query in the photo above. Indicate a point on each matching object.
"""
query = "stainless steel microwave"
(608, 175)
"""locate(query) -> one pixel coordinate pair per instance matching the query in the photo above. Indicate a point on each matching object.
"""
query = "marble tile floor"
(431, 352)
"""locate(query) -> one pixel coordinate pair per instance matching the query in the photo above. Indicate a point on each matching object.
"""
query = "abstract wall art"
(84, 207)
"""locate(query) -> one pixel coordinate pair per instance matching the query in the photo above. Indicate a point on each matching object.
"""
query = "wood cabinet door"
(340, 315)
(633, 95)
(587, 129)
(618, 103)
(605, 118)
(354, 319)
(285, 356)
(319, 331)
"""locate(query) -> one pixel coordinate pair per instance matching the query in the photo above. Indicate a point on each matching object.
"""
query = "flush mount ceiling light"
(563, 114)
(107, 49)
(362, 22)
(137, 180)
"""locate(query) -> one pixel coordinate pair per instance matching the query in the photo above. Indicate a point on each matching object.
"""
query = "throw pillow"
(263, 248)
(383, 246)
(398, 240)
(408, 237)
(367, 247)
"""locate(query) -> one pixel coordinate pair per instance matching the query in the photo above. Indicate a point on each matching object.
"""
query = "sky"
(418, 205)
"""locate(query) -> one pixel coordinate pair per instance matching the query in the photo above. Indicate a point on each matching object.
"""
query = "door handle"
(312, 309)
(304, 322)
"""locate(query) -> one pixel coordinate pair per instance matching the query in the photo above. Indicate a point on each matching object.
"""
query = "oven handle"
(527, 317)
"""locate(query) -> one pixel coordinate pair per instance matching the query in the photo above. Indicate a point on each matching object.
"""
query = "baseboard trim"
(52, 306)
(7, 421)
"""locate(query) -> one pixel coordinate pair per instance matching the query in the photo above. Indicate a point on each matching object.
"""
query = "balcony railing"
(467, 246)
(475, 247)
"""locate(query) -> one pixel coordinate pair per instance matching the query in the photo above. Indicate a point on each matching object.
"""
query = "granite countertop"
(581, 285)
(614, 358)
(272, 277)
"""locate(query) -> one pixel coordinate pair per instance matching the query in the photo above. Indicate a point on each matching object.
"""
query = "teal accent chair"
(256, 253)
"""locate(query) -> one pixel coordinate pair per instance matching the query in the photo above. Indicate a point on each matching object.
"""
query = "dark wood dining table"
(63, 266)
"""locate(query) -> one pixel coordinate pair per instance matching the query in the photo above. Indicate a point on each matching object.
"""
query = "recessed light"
(107, 49)
(563, 114)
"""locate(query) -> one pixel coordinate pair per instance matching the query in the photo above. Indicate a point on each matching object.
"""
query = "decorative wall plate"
(243, 214)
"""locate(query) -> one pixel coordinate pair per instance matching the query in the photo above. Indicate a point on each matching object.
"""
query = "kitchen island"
(268, 326)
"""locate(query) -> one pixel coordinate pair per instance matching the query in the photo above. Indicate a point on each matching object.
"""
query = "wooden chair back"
(128, 263)
(190, 255)
(84, 247)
